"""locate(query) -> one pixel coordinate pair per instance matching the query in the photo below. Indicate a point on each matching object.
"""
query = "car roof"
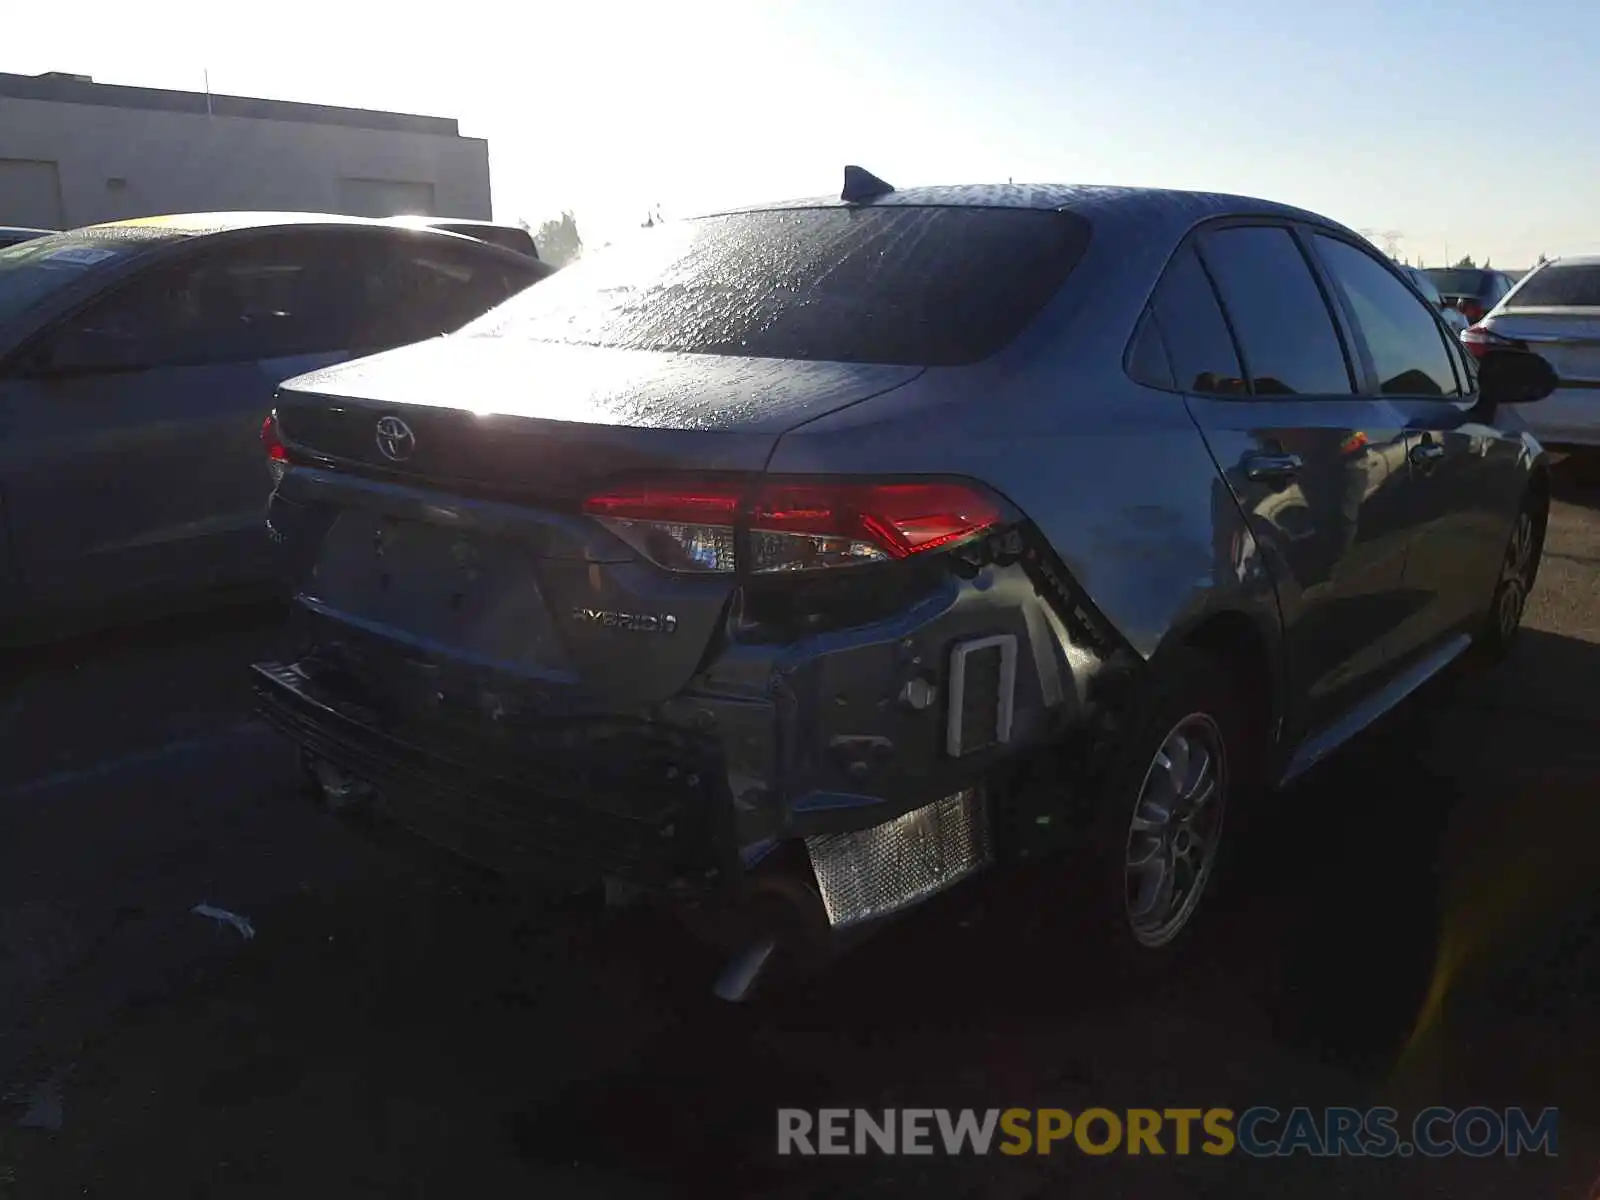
(1170, 208)
(1574, 260)
(5, 229)
(415, 222)
(201, 224)
(144, 234)
(140, 236)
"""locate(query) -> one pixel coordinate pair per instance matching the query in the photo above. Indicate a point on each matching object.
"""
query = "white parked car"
(1554, 310)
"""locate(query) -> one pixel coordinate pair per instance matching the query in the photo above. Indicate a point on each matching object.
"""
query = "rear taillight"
(1480, 340)
(792, 525)
(272, 443)
(1472, 310)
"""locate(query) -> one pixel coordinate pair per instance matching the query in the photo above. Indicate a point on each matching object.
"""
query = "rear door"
(1460, 468)
(1318, 469)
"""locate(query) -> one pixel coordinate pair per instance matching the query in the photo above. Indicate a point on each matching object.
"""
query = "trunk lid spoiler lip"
(1548, 325)
(599, 387)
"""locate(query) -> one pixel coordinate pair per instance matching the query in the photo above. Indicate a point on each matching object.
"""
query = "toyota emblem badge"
(395, 440)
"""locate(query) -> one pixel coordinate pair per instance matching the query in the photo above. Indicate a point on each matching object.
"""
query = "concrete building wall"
(104, 162)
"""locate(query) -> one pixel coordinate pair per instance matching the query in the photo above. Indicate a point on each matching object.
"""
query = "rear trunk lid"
(546, 420)
(1569, 338)
(454, 566)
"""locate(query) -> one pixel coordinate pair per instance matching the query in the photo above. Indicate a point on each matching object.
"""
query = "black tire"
(1518, 574)
(1193, 692)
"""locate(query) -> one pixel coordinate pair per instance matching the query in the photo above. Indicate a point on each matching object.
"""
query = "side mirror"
(1514, 377)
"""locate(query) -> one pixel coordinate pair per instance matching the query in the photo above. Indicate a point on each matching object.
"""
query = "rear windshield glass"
(1575, 286)
(31, 272)
(1426, 287)
(1458, 282)
(910, 286)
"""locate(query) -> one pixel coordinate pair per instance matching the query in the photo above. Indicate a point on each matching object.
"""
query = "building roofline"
(69, 89)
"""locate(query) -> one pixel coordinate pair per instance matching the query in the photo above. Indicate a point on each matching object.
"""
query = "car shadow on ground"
(1576, 480)
(1355, 935)
(1416, 920)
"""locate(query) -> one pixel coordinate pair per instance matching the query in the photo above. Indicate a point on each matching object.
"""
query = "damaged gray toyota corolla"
(796, 563)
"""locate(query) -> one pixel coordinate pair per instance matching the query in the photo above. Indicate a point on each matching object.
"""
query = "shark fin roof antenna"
(862, 185)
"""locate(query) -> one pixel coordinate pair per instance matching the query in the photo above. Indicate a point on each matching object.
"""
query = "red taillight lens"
(793, 526)
(272, 443)
(1479, 341)
(1472, 310)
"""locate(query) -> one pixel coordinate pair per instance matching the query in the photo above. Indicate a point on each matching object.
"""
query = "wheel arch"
(1250, 644)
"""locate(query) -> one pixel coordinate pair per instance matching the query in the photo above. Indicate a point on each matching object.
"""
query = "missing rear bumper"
(634, 804)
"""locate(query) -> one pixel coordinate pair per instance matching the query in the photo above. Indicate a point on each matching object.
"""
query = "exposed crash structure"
(834, 757)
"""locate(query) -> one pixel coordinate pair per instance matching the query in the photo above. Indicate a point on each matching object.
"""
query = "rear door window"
(1425, 286)
(1401, 334)
(936, 286)
(1286, 334)
(1457, 281)
(1560, 286)
(1193, 332)
(410, 287)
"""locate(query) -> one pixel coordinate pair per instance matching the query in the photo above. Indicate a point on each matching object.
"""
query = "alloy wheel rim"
(1515, 576)
(1175, 830)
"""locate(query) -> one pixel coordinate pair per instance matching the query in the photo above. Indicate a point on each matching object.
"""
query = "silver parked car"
(797, 562)
(1555, 310)
(138, 361)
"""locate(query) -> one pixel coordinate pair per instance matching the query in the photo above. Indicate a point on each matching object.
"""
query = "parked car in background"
(1452, 316)
(1554, 310)
(138, 361)
(10, 235)
(1470, 290)
(842, 550)
(512, 237)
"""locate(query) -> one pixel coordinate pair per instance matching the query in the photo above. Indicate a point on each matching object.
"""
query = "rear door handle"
(1426, 452)
(1271, 468)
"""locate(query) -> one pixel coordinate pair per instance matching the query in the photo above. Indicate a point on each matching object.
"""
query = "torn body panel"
(775, 739)
(1141, 533)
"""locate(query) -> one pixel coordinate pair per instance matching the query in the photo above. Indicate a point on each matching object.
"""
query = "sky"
(1460, 127)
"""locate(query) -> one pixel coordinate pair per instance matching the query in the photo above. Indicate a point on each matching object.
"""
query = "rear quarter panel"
(1125, 491)
(1115, 476)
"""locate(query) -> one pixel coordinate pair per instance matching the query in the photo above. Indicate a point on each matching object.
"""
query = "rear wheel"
(1169, 804)
(1519, 568)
